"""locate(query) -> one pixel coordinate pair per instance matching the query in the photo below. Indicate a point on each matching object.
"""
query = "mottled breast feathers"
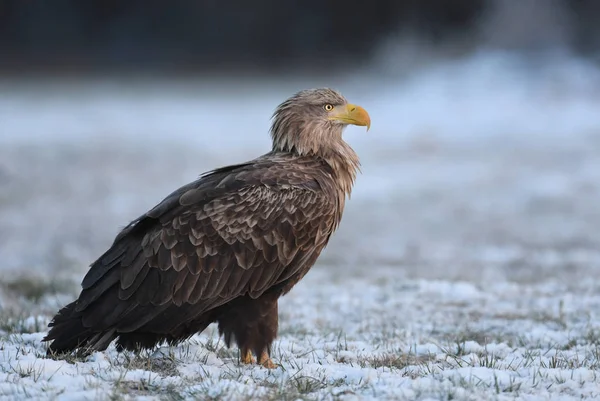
(238, 230)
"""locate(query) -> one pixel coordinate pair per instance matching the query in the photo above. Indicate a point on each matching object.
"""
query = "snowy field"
(466, 266)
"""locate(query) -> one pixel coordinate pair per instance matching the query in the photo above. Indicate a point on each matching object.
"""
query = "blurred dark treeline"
(71, 35)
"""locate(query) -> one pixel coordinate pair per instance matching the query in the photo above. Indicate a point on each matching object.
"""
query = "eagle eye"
(328, 107)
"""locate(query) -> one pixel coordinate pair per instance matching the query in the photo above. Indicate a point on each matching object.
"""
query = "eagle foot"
(247, 357)
(265, 361)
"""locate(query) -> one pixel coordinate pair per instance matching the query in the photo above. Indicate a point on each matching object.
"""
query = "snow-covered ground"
(465, 267)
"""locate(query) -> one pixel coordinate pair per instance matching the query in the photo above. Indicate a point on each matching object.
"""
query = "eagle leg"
(253, 324)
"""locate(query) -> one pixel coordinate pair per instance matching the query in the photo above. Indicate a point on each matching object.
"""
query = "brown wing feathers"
(239, 230)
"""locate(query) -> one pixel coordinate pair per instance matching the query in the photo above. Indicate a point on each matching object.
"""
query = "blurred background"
(481, 163)
(70, 37)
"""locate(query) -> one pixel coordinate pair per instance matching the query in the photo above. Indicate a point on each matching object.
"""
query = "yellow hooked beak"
(351, 114)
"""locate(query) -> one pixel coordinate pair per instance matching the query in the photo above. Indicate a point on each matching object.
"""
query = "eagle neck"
(345, 165)
(312, 139)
